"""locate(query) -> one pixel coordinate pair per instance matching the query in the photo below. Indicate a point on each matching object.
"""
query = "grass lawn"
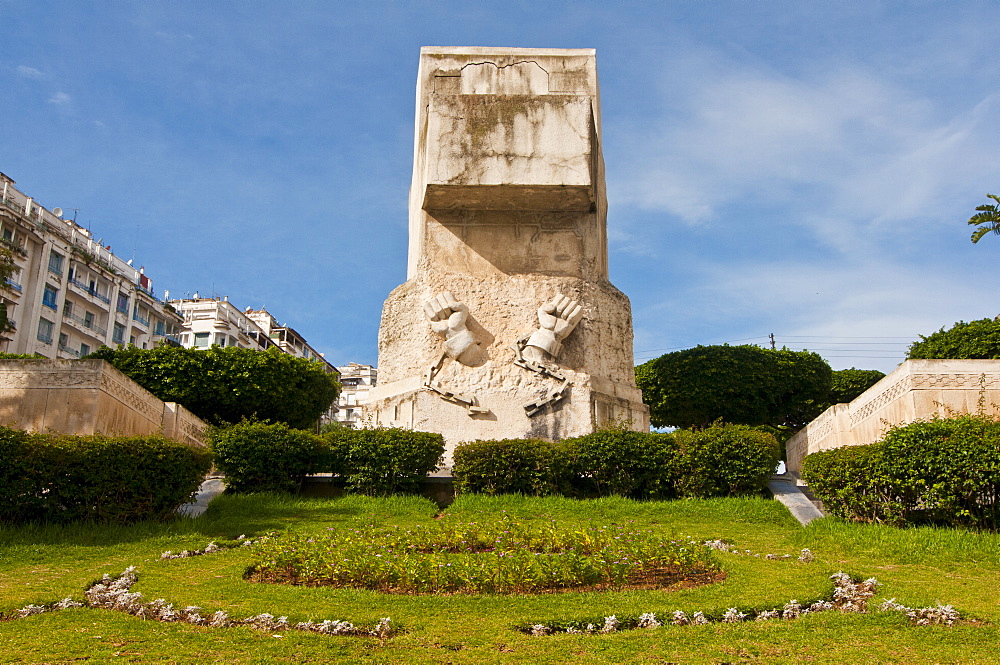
(918, 567)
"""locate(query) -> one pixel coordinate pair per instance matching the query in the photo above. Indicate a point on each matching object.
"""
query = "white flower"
(648, 620)
(733, 615)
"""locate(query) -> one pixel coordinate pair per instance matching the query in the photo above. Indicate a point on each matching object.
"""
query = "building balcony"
(14, 285)
(73, 352)
(14, 247)
(142, 321)
(89, 291)
(89, 326)
(174, 340)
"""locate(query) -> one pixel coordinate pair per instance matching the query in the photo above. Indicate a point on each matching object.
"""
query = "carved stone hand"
(557, 319)
(448, 317)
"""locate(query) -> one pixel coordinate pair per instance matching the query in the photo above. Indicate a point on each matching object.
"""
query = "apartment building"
(286, 338)
(69, 294)
(356, 382)
(208, 321)
(216, 321)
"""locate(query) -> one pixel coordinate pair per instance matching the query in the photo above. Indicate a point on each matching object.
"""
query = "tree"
(848, 384)
(227, 385)
(988, 219)
(745, 385)
(975, 339)
(7, 269)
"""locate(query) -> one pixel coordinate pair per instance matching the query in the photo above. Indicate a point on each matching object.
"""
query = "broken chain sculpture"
(556, 320)
(448, 317)
(470, 403)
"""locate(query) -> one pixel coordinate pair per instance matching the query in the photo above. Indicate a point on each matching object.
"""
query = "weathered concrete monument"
(507, 325)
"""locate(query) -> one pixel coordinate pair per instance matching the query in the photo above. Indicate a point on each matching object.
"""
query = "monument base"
(506, 396)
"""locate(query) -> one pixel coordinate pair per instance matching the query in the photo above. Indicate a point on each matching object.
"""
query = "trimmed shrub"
(532, 467)
(617, 461)
(844, 480)
(224, 386)
(63, 478)
(262, 457)
(382, 461)
(944, 471)
(739, 384)
(725, 460)
(978, 339)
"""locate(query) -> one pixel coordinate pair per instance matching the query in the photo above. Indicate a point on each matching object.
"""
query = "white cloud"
(30, 72)
(60, 99)
(849, 143)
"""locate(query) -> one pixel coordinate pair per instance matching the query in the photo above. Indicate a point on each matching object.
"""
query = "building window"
(88, 319)
(56, 263)
(49, 297)
(63, 340)
(84, 349)
(118, 335)
(122, 303)
(220, 339)
(45, 331)
(201, 340)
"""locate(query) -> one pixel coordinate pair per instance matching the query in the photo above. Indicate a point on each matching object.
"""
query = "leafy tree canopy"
(975, 339)
(744, 384)
(227, 385)
(849, 383)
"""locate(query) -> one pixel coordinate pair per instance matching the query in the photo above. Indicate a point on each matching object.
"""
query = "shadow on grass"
(229, 516)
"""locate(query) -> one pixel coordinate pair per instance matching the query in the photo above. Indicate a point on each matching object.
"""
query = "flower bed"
(502, 557)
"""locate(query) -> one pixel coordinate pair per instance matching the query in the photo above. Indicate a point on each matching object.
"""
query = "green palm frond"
(988, 219)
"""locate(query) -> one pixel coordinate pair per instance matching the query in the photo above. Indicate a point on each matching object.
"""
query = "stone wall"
(916, 390)
(87, 397)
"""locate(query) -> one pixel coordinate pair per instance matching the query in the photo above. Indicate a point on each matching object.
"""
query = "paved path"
(787, 492)
(209, 489)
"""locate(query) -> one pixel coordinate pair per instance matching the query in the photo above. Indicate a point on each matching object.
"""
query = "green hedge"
(382, 461)
(259, 457)
(944, 471)
(717, 461)
(725, 460)
(62, 478)
(265, 457)
(514, 466)
(621, 462)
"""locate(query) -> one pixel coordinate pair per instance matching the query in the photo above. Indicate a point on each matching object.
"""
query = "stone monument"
(507, 326)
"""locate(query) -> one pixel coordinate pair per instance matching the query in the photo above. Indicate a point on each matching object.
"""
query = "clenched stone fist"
(557, 319)
(448, 317)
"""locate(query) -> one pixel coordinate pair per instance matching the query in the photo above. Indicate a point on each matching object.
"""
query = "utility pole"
(772, 342)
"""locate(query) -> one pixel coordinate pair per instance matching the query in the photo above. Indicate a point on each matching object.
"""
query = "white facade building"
(356, 381)
(286, 338)
(216, 321)
(69, 294)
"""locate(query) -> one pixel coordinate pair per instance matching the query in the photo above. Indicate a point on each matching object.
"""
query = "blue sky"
(796, 168)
